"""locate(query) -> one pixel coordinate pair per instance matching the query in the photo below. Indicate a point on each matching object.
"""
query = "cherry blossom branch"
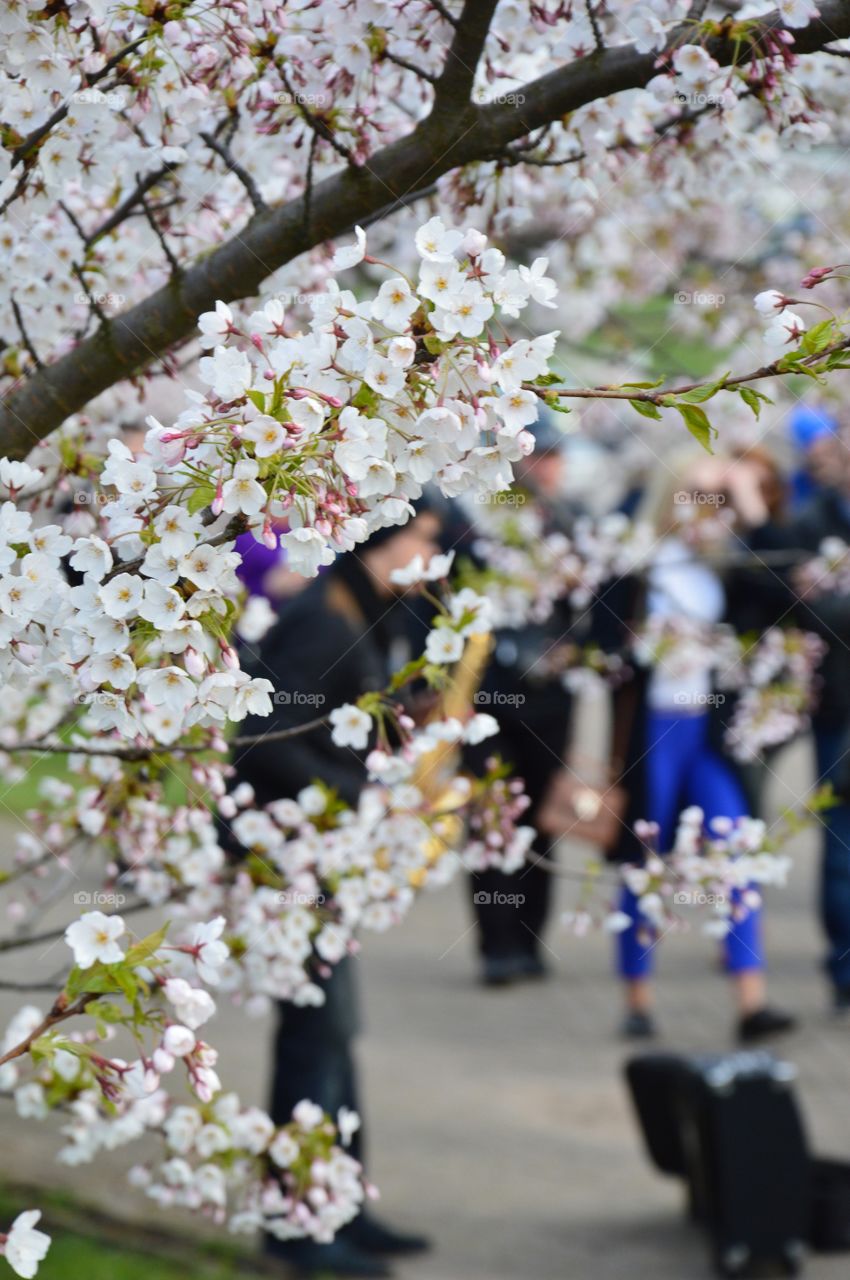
(447, 139)
(117, 752)
(60, 1012)
(232, 530)
(37, 135)
(657, 396)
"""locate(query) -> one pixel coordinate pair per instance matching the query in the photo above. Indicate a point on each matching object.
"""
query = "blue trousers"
(683, 769)
(835, 867)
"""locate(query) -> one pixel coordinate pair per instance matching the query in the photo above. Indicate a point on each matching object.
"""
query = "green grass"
(17, 797)
(73, 1257)
(85, 1249)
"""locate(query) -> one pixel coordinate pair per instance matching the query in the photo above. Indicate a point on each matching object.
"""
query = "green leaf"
(99, 979)
(76, 983)
(258, 399)
(404, 675)
(818, 337)
(433, 344)
(142, 952)
(698, 425)
(200, 498)
(106, 1011)
(700, 394)
(126, 981)
(646, 408)
(644, 386)
(753, 399)
(366, 398)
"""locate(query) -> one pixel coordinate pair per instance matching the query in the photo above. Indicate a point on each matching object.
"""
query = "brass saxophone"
(434, 770)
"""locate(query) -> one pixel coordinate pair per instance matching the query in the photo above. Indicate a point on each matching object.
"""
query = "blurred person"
(264, 570)
(525, 690)
(668, 735)
(332, 640)
(813, 433)
(828, 614)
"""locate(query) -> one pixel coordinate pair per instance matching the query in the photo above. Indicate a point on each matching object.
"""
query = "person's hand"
(745, 488)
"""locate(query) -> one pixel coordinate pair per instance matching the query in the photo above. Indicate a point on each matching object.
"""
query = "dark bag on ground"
(729, 1125)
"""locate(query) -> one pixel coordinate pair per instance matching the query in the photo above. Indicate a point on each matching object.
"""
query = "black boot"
(763, 1024)
(502, 971)
(339, 1258)
(370, 1234)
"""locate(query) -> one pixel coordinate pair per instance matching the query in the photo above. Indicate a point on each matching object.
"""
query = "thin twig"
(160, 235)
(222, 150)
(74, 220)
(410, 66)
(127, 204)
(659, 395)
(443, 12)
(594, 26)
(22, 330)
(314, 122)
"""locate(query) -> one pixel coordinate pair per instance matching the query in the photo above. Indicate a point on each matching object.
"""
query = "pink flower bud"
(229, 656)
(163, 1061)
(193, 662)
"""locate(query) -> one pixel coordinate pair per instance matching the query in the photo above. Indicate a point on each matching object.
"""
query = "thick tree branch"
(449, 138)
(454, 86)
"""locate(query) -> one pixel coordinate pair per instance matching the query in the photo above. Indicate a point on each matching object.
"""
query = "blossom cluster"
(826, 572)
(527, 568)
(776, 679)
(224, 1160)
(718, 867)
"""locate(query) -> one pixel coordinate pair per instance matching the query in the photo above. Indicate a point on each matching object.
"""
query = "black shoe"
(841, 1002)
(764, 1023)
(501, 971)
(531, 966)
(339, 1258)
(369, 1234)
(638, 1025)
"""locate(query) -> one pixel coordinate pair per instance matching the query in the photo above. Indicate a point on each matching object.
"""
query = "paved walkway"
(498, 1121)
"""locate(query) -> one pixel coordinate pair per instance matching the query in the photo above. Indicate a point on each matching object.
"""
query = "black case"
(729, 1124)
(829, 1230)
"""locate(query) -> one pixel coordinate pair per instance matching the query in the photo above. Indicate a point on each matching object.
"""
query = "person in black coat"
(826, 612)
(331, 643)
(524, 689)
